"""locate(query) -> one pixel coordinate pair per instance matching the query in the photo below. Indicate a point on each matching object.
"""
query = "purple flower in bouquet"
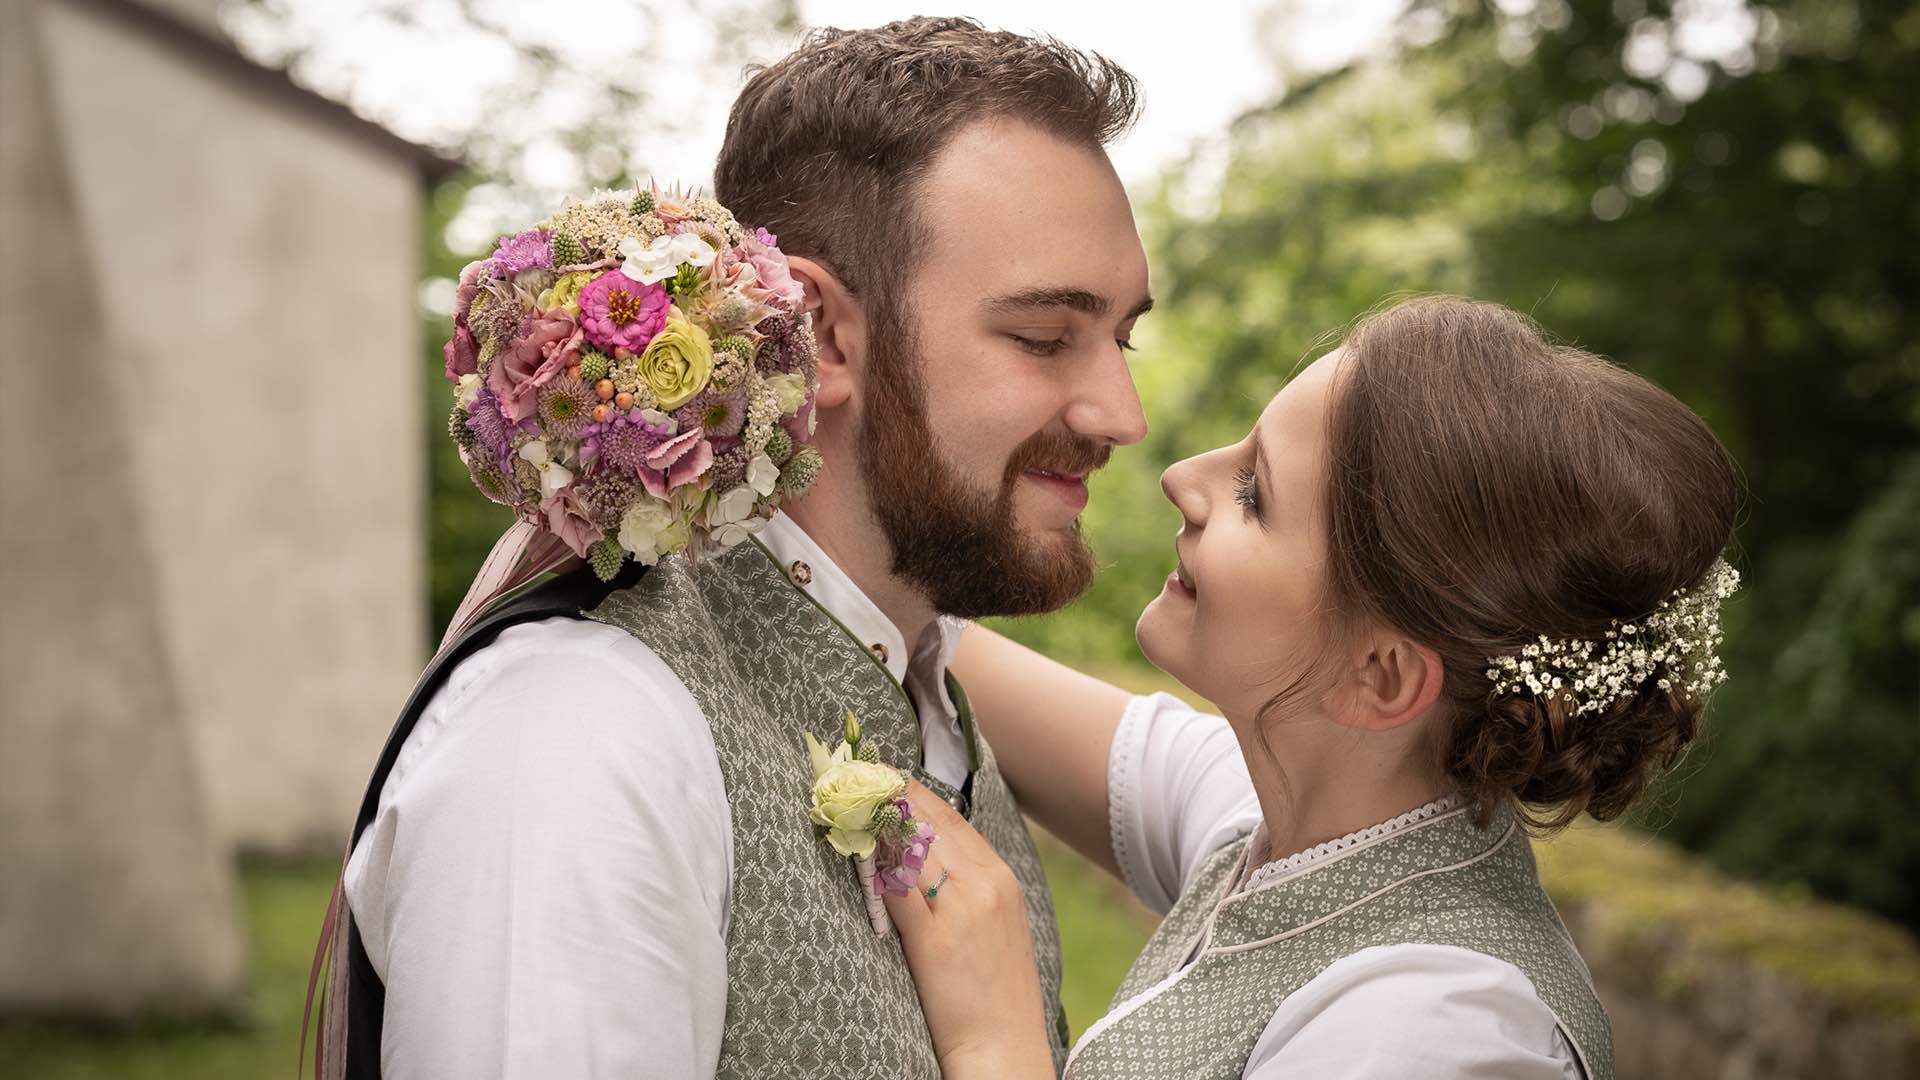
(619, 312)
(723, 413)
(523, 251)
(491, 428)
(623, 441)
(605, 494)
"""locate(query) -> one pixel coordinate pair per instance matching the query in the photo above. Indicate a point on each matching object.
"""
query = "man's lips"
(1070, 487)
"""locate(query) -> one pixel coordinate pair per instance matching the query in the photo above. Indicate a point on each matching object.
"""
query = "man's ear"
(1396, 681)
(839, 328)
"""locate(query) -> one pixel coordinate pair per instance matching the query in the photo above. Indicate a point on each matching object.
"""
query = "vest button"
(801, 573)
(879, 651)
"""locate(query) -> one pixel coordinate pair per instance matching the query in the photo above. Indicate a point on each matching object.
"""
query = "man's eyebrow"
(1089, 303)
(1081, 300)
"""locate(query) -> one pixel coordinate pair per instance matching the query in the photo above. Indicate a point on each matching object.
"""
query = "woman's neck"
(1330, 782)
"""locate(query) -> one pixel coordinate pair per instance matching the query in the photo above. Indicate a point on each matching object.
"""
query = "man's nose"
(1108, 405)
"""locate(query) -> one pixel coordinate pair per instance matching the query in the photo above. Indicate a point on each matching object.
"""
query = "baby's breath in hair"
(1676, 642)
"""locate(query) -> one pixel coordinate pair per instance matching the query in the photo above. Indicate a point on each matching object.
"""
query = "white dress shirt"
(545, 887)
(1178, 790)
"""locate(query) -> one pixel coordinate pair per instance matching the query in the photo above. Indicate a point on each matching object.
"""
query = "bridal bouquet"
(635, 375)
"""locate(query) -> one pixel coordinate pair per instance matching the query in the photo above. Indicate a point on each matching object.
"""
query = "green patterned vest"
(811, 991)
(1441, 881)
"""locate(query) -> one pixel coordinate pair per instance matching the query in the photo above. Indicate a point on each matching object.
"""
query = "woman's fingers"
(910, 913)
(963, 845)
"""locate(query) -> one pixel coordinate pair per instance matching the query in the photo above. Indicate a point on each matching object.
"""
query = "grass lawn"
(284, 907)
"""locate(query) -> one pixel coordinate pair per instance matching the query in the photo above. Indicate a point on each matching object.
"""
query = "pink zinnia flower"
(619, 312)
(532, 361)
(676, 463)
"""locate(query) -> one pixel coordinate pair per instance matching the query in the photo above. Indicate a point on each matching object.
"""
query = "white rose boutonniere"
(861, 807)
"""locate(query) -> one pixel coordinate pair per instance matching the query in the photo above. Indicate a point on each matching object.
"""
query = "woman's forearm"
(1051, 728)
(1000, 1063)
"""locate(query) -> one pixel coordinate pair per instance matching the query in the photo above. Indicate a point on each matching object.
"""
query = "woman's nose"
(1180, 484)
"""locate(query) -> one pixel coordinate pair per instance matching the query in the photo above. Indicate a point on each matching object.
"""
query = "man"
(590, 855)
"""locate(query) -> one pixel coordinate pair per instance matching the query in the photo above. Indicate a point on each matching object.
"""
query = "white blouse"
(1178, 790)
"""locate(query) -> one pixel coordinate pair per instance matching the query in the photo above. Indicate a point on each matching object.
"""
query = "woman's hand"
(971, 953)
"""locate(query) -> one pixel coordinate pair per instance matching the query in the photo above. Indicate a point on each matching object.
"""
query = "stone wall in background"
(211, 495)
(116, 893)
(1708, 978)
(259, 330)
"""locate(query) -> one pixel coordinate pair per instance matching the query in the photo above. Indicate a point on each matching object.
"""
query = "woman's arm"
(1052, 733)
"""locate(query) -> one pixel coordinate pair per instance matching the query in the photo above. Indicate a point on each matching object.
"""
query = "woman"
(1456, 585)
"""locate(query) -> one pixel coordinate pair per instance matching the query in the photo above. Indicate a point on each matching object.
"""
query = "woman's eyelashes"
(1247, 490)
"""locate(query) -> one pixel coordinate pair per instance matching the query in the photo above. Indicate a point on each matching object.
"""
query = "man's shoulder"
(558, 687)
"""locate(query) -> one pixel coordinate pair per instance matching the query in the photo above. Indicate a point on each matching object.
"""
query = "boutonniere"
(861, 807)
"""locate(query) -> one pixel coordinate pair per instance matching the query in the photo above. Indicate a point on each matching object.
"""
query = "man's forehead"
(1022, 205)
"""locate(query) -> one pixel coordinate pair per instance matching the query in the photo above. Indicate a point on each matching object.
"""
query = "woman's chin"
(1154, 633)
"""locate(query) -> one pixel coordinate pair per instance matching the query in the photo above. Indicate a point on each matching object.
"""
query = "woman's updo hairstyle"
(1489, 488)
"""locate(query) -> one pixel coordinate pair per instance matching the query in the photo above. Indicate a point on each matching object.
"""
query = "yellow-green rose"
(678, 361)
(565, 291)
(845, 798)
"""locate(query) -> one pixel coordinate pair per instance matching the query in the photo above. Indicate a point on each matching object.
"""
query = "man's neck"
(854, 542)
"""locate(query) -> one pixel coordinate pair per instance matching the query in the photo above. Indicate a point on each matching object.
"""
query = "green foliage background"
(1753, 249)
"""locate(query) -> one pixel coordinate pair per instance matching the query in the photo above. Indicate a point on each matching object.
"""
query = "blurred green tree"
(1717, 195)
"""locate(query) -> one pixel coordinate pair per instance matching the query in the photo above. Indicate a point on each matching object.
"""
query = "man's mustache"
(1054, 451)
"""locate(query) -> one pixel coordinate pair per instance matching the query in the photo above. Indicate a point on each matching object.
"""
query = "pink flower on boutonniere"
(532, 361)
(679, 461)
(899, 863)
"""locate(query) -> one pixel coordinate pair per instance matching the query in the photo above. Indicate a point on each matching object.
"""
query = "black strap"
(569, 595)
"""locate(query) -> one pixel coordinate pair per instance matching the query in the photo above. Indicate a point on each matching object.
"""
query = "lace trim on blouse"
(1280, 869)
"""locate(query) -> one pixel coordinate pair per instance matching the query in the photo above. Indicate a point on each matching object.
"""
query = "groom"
(591, 855)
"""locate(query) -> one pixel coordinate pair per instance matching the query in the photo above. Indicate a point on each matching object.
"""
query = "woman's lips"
(1181, 581)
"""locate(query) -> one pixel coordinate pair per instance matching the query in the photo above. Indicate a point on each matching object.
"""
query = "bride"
(1457, 586)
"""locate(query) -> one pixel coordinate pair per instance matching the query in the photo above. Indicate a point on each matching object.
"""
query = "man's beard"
(961, 547)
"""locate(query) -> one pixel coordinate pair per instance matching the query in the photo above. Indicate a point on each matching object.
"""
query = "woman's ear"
(839, 329)
(1397, 681)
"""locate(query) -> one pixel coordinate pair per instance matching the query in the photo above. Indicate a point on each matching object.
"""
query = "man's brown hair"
(826, 147)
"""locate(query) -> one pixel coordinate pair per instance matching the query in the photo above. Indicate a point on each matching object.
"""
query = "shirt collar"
(807, 566)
